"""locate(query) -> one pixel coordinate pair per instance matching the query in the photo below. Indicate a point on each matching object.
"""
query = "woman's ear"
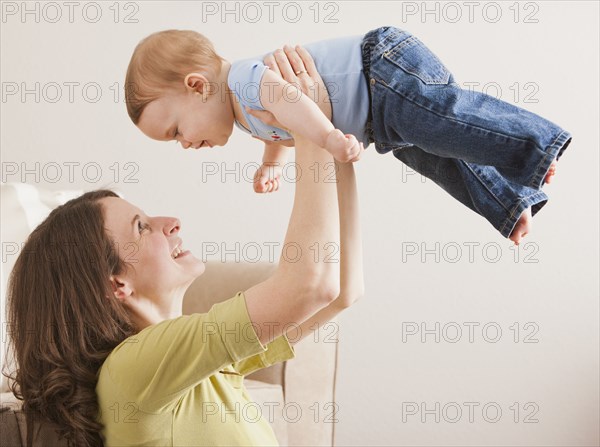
(121, 288)
(197, 82)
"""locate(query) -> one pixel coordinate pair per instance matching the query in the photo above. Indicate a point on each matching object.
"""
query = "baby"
(386, 87)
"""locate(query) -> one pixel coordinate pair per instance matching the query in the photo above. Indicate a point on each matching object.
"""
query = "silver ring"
(300, 72)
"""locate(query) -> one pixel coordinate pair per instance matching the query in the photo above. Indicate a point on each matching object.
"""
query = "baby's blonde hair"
(160, 63)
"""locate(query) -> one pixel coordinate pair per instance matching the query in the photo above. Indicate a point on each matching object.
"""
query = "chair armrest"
(309, 384)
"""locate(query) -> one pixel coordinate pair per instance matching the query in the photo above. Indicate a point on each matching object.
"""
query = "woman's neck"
(145, 312)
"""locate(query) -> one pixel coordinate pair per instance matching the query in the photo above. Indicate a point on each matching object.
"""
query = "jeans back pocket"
(412, 56)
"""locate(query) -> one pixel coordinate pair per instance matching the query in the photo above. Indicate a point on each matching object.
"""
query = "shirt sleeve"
(160, 363)
(244, 79)
(278, 350)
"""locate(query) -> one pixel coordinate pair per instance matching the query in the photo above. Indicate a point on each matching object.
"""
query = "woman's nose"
(172, 225)
(185, 144)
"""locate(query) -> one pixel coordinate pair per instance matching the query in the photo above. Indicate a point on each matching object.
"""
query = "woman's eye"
(142, 227)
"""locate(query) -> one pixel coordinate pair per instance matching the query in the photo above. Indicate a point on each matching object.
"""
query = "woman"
(100, 285)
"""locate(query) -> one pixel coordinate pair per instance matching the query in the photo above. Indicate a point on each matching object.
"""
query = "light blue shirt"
(339, 62)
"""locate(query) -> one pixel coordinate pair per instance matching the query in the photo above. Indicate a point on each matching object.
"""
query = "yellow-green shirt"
(180, 382)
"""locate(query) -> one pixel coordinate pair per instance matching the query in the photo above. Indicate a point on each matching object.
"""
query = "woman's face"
(160, 267)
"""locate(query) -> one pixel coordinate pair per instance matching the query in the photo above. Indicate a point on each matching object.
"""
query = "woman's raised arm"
(302, 283)
(351, 257)
(350, 249)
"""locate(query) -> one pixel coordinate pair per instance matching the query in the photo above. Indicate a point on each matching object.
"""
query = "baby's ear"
(197, 82)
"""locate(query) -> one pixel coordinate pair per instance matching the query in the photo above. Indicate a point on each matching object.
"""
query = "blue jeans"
(488, 154)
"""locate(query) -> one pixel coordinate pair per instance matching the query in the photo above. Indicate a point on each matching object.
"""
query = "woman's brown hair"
(63, 318)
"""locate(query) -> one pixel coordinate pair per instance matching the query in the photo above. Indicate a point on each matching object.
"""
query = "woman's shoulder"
(164, 360)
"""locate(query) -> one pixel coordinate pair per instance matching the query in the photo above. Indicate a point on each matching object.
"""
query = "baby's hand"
(267, 178)
(344, 148)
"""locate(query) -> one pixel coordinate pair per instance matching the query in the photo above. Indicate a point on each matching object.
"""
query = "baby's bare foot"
(551, 172)
(522, 227)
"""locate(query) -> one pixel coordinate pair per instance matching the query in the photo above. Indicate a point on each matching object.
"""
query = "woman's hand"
(296, 66)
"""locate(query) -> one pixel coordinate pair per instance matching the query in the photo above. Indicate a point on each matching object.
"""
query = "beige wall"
(388, 378)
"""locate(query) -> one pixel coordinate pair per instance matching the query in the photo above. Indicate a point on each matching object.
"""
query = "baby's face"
(193, 120)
